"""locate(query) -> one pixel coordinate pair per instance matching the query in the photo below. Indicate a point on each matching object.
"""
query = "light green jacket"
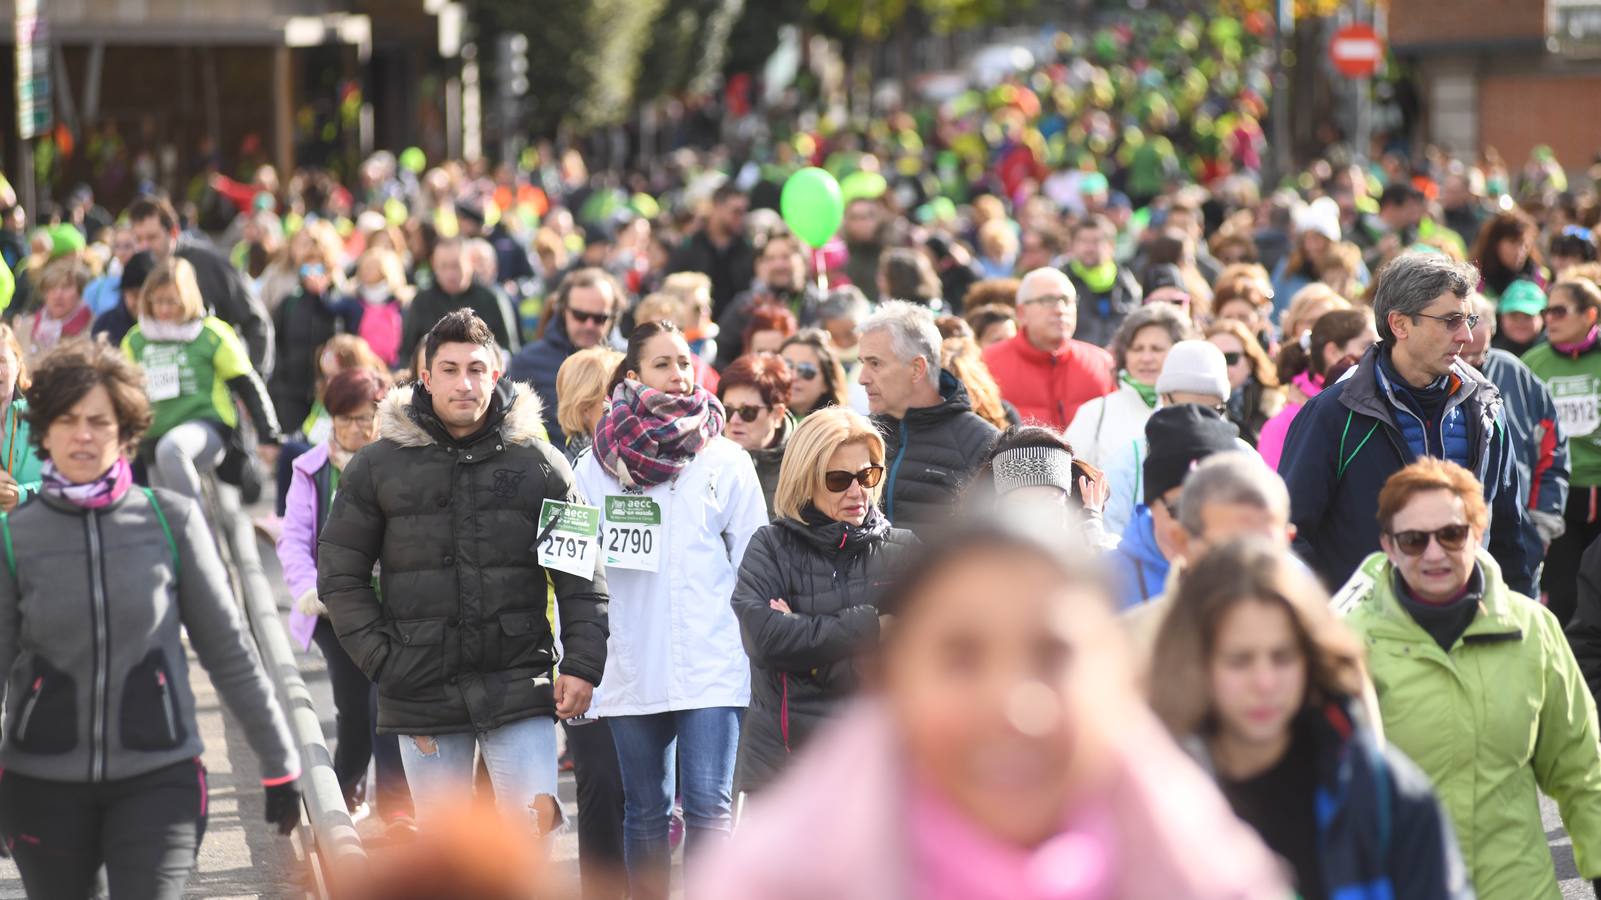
(1503, 713)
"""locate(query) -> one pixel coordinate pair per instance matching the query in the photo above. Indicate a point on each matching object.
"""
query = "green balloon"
(812, 205)
(413, 160)
(856, 185)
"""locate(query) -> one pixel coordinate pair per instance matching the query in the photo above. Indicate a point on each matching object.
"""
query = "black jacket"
(803, 664)
(301, 325)
(459, 641)
(770, 460)
(433, 304)
(537, 364)
(227, 297)
(932, 452)
(1584, 629)
(730, 268)
(1100, 315)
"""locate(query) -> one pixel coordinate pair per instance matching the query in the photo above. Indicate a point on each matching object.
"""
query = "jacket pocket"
(524, 640)
(416, 660)
(47, 717)
(150, 717)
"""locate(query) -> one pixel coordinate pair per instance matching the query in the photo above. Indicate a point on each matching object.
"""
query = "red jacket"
(1048, 388)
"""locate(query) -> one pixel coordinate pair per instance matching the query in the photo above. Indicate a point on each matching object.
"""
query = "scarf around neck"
(1097, 278)
(1577, 348)
(96, 494)
(47, 331)
(1147, 392)
(647, 437)
(158, 331)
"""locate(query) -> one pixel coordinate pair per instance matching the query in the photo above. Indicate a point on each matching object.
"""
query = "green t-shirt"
(189, 381)
(1575, 386)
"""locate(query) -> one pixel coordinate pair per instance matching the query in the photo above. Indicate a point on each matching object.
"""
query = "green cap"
(1522, 296)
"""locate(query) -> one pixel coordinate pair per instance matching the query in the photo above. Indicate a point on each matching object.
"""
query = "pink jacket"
(839, 826)
(1270, 442)
(297, 543)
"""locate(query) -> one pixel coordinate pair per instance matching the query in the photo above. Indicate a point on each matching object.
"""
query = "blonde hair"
(390, 266)
(1297, 317)
(660, 307)
(174, 274)
(961, 357)
(693, 290)
(806, 458)
(581, 385)
(66, 270)
(8, 337)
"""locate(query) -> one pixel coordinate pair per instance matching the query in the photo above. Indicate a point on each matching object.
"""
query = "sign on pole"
(33, 70)
(1357, 51)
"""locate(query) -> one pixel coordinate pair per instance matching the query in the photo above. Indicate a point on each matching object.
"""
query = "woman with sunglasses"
(754, 390)
(1569, 364)
(1255, 395)
(1263, 685)
(819, 374)
(1476, 683)
(678, 502)
(806, 588)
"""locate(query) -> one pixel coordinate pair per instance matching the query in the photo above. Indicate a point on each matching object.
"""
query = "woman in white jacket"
(678, 504)
(1109, 432)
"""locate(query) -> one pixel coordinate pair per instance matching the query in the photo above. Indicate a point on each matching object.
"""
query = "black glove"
(1595, 886)
(283, 806)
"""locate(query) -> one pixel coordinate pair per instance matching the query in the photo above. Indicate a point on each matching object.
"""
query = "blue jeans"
(647, 754)
(520, 756)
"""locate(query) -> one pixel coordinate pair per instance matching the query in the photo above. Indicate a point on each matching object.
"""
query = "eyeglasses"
(1233, 359)
(591, 318)
(837, 480)
(1049, 300)
(748, 412)
(1454, 320)
(363, 422)
(312, 270)
(1172, 506)
(803, 371)
(1413, 543)
(1555, 311)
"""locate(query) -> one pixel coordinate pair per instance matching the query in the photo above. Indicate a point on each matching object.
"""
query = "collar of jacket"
(775, 453)
(61, 505)
(1372, 583)
(1362, 392)
(514, 413)
(1033, 354)
(831, 536)
(556, 334)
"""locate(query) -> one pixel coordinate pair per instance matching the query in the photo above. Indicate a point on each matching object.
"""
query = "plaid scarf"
(646, 437)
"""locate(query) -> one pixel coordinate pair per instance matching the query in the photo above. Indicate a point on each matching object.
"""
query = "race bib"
(1576, 402)
(162, 382)
(571, 539)
(633, 534)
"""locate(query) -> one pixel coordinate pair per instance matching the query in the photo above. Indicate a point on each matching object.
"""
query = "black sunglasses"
(591, 318)
(1454, 320)
(748, 412)
(803, 371)
(1557, 311)
(1413, 543)
(1233, 359)
(837, 480)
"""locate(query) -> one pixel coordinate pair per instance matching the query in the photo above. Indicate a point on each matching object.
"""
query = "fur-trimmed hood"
(520, 424)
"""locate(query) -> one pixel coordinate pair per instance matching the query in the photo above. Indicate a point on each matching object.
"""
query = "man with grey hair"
(1539, 443)
(1410, 396)
(1042, 371)
(933, 439)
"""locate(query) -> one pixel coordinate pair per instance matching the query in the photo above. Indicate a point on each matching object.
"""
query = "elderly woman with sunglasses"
(755, 390)
(1476, 683)
(806, 588)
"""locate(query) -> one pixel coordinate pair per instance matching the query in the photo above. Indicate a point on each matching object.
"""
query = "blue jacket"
(1346, 442)
(1539, 444)
(1139, 570)
(536, 365)
(1382, 832)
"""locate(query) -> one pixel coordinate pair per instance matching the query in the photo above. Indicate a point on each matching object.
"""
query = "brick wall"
(1516, 112)
(1441, 21)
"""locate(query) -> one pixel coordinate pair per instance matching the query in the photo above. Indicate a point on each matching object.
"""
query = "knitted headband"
(1029, 466)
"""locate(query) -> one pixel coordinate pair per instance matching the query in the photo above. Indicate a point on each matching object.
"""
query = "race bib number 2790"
(632, 538)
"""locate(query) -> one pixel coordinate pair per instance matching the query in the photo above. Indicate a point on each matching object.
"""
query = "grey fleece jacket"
(97, 683)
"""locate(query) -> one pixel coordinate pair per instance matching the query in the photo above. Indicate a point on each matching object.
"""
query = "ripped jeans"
(520, 756)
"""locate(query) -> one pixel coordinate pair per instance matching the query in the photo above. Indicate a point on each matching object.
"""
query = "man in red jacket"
(1042, 371)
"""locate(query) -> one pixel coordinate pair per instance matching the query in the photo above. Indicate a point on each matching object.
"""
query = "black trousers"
(354, 711)
(1560, 580)
(145, 830)
(600, 810)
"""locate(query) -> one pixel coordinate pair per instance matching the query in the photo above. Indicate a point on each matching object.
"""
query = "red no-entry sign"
(1356, 51)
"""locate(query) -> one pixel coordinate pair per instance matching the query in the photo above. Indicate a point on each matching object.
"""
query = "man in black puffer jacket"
(448, 501)
(933, 439)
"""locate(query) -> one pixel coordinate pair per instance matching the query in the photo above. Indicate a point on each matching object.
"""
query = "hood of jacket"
(953, 402)
(831, 536)
(1362, 393)
(1139, 538)
(775, 454)
(515, 411)
(1370, 596)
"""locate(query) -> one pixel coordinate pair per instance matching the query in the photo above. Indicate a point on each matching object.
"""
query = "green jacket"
(1505, 712)
(17, 453)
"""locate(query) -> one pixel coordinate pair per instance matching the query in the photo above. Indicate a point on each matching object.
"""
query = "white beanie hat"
(1195, 367)
(1322, 216)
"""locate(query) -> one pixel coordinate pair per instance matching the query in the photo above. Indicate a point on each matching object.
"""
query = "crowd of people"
(1085, 519)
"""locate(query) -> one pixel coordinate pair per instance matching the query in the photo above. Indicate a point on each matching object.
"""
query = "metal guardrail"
(328, 831)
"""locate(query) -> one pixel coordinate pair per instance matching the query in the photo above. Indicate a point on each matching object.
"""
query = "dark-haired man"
(449, 500)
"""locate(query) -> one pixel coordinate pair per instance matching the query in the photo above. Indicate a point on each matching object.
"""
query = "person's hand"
(268, 454)
(10, 492)
(780, 605)
(572, 696)
(283, 806)
(1094, 491)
